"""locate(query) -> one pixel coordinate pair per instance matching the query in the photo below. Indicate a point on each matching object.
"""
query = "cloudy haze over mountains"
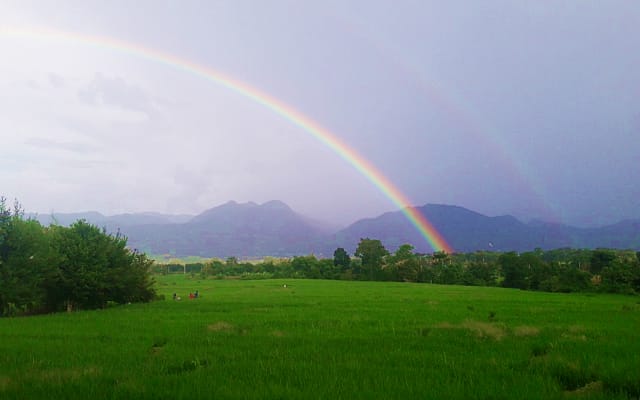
(530, 109)
(251, 230)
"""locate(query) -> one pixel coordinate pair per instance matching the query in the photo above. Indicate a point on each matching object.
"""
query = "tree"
(27, 262)
(305, 266)
(618, 277)
(534, 268)
(371, 252)
(514, 271)
(479, 273)
(403, 264)
(341, 259)
(96, 268)
(601, 259)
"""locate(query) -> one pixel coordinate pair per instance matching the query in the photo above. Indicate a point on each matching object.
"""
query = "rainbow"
(368, 170)
(520, 177)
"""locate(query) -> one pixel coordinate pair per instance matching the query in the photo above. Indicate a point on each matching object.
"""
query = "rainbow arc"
(350, 155)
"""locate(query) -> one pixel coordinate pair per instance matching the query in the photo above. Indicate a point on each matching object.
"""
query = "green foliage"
(601, 259)
(26, 262)
(562, 270)
(480, 273)
(26, 265)
(49, 269)
(371, 252)
(341, 259)
(403, 265)
(96, 267)
(618, 277)
(514, 270)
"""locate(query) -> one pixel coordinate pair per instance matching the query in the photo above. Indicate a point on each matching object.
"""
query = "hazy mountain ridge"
(118, 220)
(273, 229)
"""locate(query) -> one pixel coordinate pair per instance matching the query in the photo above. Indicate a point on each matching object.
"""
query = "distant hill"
(468, 231)
(249, 230)
(232, 229)
(113, 221)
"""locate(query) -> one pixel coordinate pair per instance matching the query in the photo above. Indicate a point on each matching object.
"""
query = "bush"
(56, 268)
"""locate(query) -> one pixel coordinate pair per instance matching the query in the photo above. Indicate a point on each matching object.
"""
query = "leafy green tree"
(306, 266)
(341, 259)
(618, 277)
(450, 274)
(573, 279)
(636, 273)
(514, 271)
(480, 273)
(5, 227)
(440, 258)
(534, 268)
(601, 259)
(25, 266)
(328, 269)
(96, 268)
(371, 252)
(403, 264)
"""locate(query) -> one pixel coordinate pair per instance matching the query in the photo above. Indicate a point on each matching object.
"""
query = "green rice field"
(329, 340)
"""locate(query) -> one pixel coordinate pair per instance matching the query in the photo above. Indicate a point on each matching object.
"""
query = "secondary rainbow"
(368, 170)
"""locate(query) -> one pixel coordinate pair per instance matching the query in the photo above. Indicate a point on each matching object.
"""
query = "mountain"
(463, 229)
(110, 222)
(250, 230)
(243, 230)
(468, 231)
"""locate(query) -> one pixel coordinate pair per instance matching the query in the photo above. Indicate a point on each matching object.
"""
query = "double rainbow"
(368, 170)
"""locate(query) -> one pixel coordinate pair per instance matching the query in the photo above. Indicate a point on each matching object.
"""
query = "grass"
(329, 339)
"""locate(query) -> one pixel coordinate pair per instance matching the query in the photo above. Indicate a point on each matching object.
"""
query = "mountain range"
(250, 230)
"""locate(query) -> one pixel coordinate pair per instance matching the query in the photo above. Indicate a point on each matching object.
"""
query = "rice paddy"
(329, 339)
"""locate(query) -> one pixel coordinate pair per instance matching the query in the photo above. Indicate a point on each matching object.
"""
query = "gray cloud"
(70, 146)
(500, 107)
(116, 92)
(56, 80)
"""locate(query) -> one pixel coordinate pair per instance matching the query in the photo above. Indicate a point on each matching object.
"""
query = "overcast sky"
(530, 108)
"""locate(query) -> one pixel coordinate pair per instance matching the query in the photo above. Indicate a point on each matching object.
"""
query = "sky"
(503, 107)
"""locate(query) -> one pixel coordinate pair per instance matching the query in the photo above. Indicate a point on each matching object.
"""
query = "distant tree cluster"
(561, 270)
(46, 269)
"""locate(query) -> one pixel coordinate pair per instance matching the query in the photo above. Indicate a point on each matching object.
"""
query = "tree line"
(560, 270)
(54, 268)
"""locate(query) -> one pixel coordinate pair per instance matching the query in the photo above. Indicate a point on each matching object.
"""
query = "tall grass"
(329, 339)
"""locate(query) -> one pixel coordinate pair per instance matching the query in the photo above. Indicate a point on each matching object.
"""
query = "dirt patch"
(485, 329)
(187, 366)
(575, 333)
(277, 333)
(576, 329)
(4, 382)
(524, 330)
(570, 374)
(66, 375)
(575, 338)
(221, 326)
(586, 390)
